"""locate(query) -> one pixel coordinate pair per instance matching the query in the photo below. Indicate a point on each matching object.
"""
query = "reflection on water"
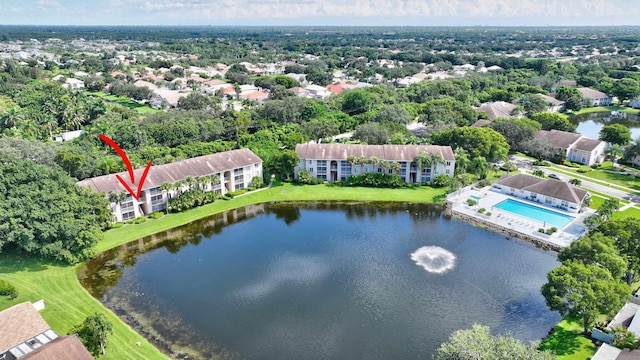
(322, 280)
(590, 124)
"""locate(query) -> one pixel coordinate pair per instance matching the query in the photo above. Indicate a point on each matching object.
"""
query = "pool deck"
(512, 223)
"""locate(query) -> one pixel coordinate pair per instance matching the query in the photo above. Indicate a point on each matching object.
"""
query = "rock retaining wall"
(509, 232)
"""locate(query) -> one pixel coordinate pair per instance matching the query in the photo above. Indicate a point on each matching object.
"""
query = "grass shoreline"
(68, 303)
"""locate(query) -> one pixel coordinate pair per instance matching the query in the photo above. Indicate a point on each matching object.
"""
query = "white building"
(331, 161)
(598, 98)
(234, 169)
(73, 84)
(552, 193)
(579, 149)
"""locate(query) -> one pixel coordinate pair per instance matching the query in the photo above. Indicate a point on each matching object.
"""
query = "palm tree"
(214, 179)
(395, 167)
(500, 154)
(576, 182)
(177, 186)
(374, 162)
(362, 161)
(479, 165)
(462, 161)
(422, 160)
(386, 166)
(437, 159)
(614, 151)
(202, 182)
(166, 187)
(190, 181)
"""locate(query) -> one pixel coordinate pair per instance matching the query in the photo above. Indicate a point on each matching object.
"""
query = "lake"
(590, 124)
(323, 280)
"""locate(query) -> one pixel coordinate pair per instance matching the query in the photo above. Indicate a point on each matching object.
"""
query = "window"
(238, 171)
(126, 206)
(128, 215)
(448, 163)
(310, 162)
(239, 186)
(447, 172)
(345, 167)
(310, 170)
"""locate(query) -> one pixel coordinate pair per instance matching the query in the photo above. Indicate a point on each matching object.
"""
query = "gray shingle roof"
(551, 100)
(586, 144)
(548, 187)
(18, 324)
(496, 109)
(65, 347)
(591, 93)
(481, 123)
(173, 172)
(562, 139)
(382, 152)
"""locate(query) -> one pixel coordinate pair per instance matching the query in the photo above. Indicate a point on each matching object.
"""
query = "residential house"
(259, 96)
(234, 168)
(330, 161)
(64, 347)
(318, 92)
(608, 352)
(552, 193)
(69, 135)
(497, 109)
(481, 123)
(300, 92)
(598, 98)
(635, 103)
(627, 318)
(23, 330)
(579, 148)
(553, 104)
(72, 83)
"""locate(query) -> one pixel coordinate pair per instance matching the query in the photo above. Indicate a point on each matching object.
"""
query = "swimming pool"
(534, 212)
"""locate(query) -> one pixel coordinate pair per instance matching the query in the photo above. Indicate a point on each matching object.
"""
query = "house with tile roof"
(553, 104)
(549, 192)
(22, 330)
(598, 98)
(497, 109)
(64, 347)
(579, 148)
(331, 161)
(234, 168)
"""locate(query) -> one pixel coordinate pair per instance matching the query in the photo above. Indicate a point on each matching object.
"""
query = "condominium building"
(334, 162)
(234, 170)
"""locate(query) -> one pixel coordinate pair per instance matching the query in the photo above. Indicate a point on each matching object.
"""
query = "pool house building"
(221, 172)
(551, 193)
(335, 162)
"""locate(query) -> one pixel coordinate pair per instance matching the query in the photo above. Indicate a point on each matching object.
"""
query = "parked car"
(554, 176)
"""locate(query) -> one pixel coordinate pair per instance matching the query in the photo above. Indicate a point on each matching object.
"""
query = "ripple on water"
(434, 259)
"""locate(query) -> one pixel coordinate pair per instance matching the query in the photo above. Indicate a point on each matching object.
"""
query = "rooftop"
(176, 171)
(383, 152)
(18, 324)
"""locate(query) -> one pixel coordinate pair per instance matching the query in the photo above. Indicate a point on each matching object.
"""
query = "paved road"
(527, 164)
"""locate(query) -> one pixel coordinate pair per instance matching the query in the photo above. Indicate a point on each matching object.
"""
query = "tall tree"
(596, 249)
(615, 134)
(583, 291)
(477, 343)
(94, 332)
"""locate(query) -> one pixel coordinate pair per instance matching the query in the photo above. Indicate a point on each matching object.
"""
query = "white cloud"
(379, 12)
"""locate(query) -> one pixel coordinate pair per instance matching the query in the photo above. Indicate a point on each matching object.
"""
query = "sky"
(322, 12)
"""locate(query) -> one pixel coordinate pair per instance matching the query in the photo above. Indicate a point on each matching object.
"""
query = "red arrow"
(135, 194)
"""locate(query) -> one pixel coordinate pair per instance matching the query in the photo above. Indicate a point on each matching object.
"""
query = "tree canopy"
(477, 343)
(43, 212)
(476, 141)
(616, 134)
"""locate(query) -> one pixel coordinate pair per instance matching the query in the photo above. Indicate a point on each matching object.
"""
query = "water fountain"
(434, 259)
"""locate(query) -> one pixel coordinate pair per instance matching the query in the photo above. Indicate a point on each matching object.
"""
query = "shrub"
(471, 202)
(595, 166)
(441, 180)
(376, 180)
(541, 230)
(509, 166)
(484, 183)
(140, 220)
(6, 289)
(488, 213)
(190, 199)
(541, 163)
(482, 210)
(129, 221)
(156, 215)
(119, 224)
(237, 192)
(227, 196)
(250, 188)
(583, 169)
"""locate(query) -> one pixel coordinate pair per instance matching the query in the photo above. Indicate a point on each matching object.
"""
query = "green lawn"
(630, 212)
(568, 342)
(124, 101)
(68, 303)
(605, 108)
(603, 176)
